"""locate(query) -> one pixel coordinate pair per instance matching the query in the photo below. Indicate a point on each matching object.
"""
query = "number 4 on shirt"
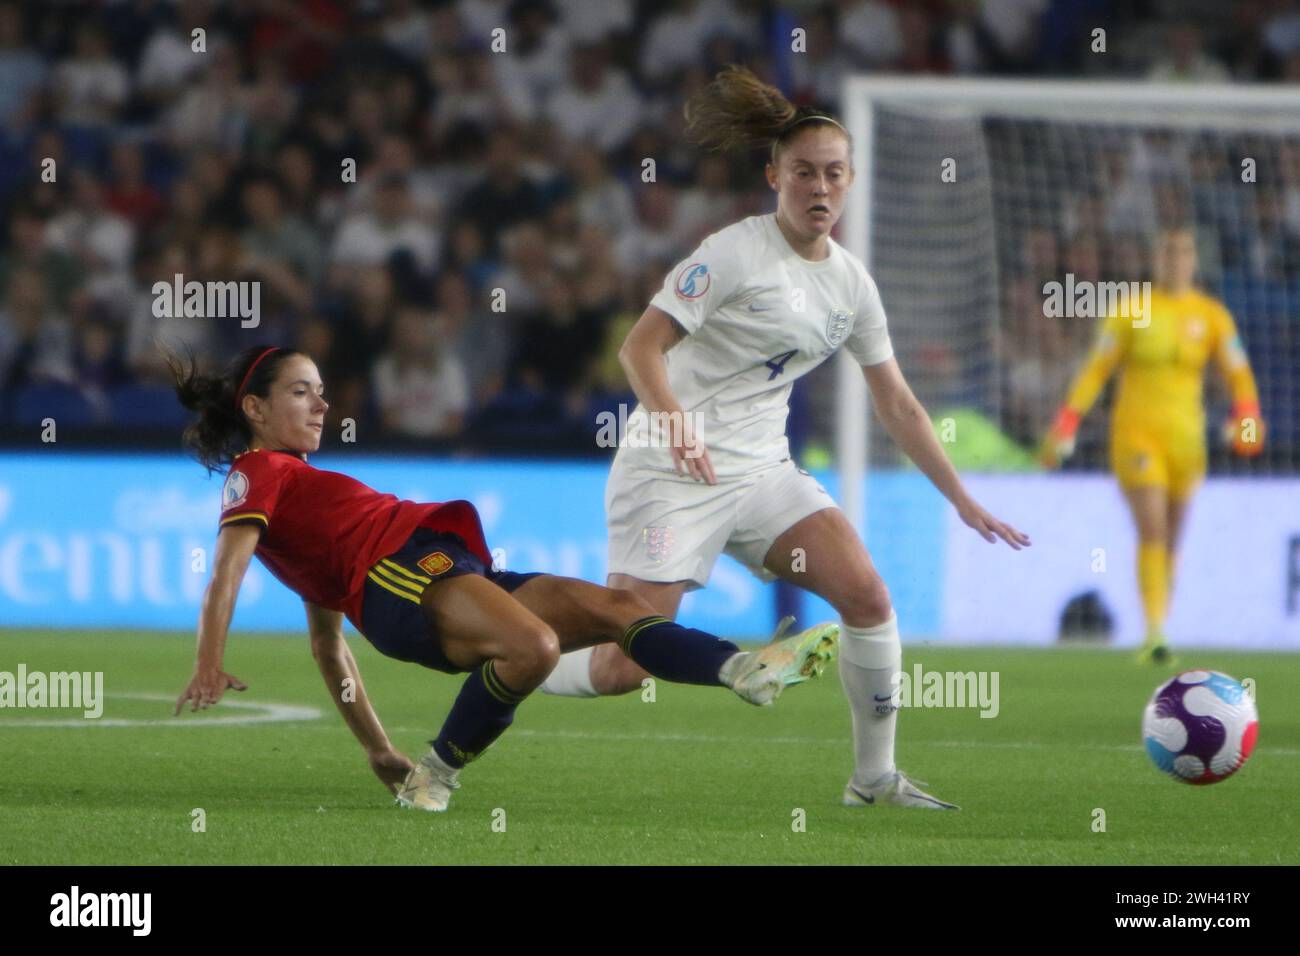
(777, 363)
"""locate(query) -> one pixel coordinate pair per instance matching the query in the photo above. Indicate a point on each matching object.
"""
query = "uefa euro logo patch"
(435, 563)
(693, 281)
(235, 492)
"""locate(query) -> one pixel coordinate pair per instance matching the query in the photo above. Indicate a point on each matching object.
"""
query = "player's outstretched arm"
(339, 668)
(235, 546)
(642, 358)
(1244, 429)
(1058, 443)
(908, 424)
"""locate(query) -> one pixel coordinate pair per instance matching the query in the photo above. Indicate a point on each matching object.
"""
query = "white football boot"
(429, 785)
(760, 676)
(896, 788)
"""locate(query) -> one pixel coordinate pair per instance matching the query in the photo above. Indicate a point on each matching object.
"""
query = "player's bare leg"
(1149, 506)
(511, 643)
(476, 621)
(832, 562)
(583, 613)
(605, 670)
(822, 553)
(508, 650)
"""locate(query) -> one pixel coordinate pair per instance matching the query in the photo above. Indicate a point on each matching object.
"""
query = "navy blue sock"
(672, 652)
(483, 710)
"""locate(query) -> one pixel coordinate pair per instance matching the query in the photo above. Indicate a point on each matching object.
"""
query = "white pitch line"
(271, 714)
(828, 741)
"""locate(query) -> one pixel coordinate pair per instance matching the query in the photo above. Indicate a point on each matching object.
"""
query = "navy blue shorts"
(391, 617)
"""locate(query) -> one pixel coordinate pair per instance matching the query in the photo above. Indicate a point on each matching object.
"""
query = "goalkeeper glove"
(1059, 443)
(1244, 430)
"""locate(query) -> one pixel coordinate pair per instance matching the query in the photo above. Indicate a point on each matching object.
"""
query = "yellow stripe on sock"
(637, 627)
(496, 688)
(490, 682)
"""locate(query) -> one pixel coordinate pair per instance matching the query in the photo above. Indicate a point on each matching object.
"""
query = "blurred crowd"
(475, 277)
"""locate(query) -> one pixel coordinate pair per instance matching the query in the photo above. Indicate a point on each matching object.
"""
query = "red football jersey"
(322, 531)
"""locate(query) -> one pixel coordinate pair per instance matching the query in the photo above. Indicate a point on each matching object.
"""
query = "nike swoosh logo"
(882, 699)
(865, 797)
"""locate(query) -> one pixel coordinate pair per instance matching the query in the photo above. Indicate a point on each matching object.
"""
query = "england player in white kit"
(756, 306)
(756, 316)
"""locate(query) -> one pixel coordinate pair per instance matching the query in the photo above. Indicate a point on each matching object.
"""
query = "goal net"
(973, 196)
(983, 209)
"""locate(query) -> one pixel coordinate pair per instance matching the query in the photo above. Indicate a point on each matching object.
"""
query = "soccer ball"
(1200, 727)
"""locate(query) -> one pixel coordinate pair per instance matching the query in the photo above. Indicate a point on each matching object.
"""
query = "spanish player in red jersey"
(416, 580)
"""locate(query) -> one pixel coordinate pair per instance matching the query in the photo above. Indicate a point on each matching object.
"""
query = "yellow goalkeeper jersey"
(1163, 354)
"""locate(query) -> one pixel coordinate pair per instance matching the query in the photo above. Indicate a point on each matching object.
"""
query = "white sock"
(727, 672)
(869, 659)
(572, 676)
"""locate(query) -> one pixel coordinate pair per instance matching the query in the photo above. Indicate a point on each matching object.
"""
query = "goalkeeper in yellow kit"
(1157, 435)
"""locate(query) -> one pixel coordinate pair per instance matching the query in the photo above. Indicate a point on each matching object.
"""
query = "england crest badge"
(658, 543)
(837, 326)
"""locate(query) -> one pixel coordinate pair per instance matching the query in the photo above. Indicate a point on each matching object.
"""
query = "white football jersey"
(757, 316)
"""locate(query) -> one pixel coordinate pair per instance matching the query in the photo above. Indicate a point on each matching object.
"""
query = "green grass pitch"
(696, 776)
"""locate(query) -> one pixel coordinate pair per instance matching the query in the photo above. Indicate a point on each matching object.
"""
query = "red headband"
(239, 393)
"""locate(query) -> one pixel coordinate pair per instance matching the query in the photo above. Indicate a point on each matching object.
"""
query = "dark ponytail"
(220, 432)
(738, 111)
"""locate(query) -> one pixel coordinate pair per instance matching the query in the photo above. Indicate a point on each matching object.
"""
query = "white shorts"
(666, 528)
